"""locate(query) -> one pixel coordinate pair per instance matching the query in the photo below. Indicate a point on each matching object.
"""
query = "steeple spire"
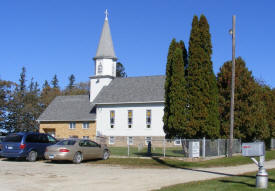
(105, 47)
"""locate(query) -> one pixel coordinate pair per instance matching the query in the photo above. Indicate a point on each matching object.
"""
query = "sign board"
(194, 149)
(253, 149)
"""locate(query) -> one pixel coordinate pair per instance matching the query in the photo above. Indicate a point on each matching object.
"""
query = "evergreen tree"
(184, 55)
(210, 89)
(202, 89)
(167, 87)
(22, 81)
(175, 92)
(16, 115)
(5, 97)
(178, 98)
(46, 84)
(120, 70)
(55, 82)
(71, 82)
(249, 114)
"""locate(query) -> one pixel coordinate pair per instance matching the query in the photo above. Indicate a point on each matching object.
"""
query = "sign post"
(257, 149)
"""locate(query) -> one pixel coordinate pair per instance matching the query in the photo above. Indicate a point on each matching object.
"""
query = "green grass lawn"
(244, 182)
(174, 163)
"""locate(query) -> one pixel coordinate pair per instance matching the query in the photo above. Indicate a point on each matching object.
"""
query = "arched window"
(99, 68)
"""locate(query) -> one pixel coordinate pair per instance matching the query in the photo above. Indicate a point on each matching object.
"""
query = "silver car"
(76, 150)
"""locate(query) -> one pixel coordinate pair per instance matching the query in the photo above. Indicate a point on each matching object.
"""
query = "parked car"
(76, 150)
(1, 139)
(27, 145)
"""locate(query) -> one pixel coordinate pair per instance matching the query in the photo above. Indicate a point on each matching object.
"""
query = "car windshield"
(13, 138)
(66, 142)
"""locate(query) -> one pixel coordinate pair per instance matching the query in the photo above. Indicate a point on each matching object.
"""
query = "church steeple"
(105, 47)
(105, 61)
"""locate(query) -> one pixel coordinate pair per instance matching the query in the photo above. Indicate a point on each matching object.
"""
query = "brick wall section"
(62, 129)
(121, 141)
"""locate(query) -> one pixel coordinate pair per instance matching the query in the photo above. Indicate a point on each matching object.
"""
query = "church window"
(112, 118)
(72, 125)
(130, 118)
(99, 68)
(111, 140)
(148, 118)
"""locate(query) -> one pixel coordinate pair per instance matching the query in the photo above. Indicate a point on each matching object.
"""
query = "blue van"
(27, 145)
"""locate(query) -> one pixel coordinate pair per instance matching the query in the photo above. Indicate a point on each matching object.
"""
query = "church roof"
(147, 89)
(69, 108)
(105, 47)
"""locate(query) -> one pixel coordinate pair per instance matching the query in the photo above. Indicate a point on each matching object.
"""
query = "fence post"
(164, 141)
(128, 147)
(203, 147)
(218, 147)
(271, 144)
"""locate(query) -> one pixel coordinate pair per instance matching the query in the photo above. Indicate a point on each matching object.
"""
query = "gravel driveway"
(43, 176)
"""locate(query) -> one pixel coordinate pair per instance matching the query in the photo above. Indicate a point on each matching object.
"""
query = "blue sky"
(60, 36)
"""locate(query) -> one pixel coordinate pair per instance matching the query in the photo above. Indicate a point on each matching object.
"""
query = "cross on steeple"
(106, 14)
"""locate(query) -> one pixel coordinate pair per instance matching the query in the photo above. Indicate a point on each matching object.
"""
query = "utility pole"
(232, 32)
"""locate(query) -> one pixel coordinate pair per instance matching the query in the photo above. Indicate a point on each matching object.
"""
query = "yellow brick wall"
(62, 129)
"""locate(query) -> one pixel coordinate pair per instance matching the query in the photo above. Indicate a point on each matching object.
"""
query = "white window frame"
(86, 137)
(176, 142)
(130, 140)
(85, 125)
(147, 139)
(130, 123)
(112, 140)
(112, 124)
(72, 125)
(148, 124)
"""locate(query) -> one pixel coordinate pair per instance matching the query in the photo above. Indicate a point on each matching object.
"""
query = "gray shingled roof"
(133, 90)
(105, 47)
(69, 108)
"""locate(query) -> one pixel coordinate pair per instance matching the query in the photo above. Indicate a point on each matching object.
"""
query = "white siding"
(139, 127)
(96, 85)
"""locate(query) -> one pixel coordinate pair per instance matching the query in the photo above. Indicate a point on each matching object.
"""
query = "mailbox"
(253, 149)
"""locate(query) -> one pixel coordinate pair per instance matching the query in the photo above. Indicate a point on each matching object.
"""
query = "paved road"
(42, 176)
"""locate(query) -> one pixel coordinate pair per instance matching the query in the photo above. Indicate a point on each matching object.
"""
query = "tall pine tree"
(175, 92)
(210, 93)
(202, 87)
(167, 87)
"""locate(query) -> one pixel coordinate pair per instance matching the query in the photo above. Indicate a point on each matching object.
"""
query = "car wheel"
(106, 155)
(77, 158)
(32, 156)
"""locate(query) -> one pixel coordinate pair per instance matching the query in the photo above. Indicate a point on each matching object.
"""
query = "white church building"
(117, 108)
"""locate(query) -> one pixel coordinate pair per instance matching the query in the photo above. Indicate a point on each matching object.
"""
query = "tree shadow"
(237, 182)
(197, 170)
